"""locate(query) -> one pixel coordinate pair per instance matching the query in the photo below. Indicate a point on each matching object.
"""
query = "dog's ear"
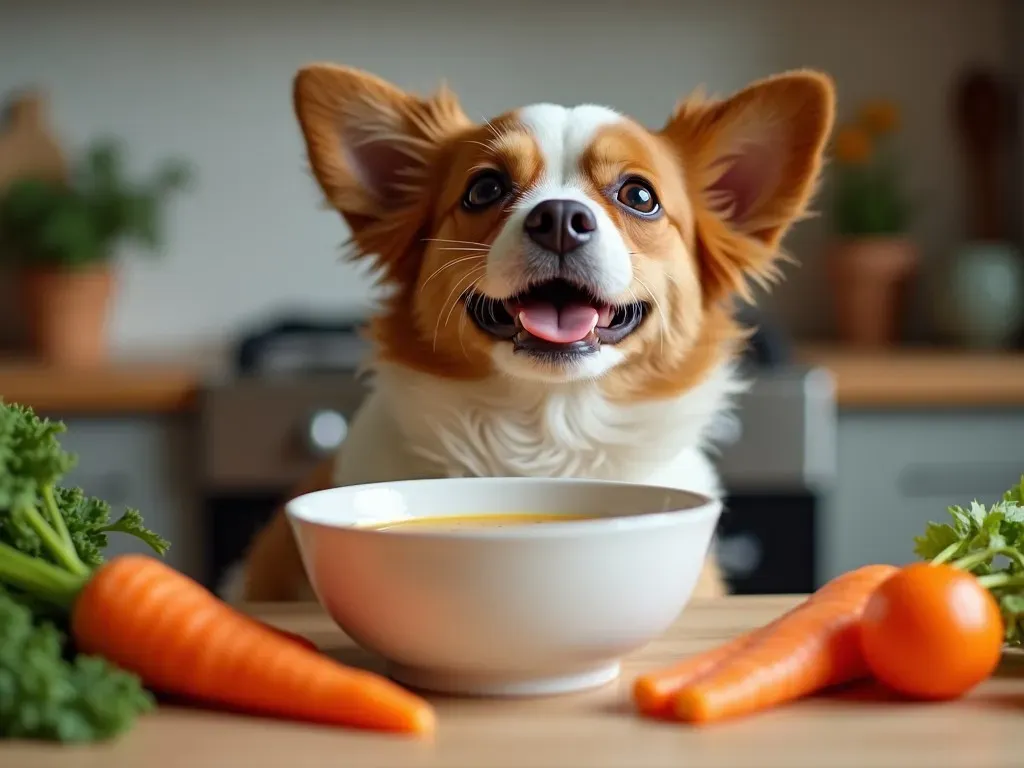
(751, 163)
(372, 146)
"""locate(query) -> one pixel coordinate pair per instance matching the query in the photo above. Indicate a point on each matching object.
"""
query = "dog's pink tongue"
(572, 322)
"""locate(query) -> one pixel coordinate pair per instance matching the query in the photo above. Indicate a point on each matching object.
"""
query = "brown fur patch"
(425, 326)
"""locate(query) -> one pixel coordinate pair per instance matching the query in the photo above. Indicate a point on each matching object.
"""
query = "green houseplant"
(61, 238)
(872, 257)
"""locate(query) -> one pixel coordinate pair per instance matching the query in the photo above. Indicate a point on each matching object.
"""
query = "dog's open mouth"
(555, 318)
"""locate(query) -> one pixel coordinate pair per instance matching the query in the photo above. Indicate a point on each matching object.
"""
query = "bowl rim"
(701, 507)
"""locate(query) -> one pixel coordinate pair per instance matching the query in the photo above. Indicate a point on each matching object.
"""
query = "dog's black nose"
(560, 226)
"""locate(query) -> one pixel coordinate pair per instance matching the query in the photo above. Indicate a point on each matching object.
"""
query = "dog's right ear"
(371, 146)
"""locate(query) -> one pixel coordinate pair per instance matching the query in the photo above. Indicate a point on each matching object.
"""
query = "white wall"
(211, 81)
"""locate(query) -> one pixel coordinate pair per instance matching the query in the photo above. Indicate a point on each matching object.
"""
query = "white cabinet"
(146, 462)
(898, 470)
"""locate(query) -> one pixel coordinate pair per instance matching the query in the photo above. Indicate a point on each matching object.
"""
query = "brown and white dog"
(561, 280)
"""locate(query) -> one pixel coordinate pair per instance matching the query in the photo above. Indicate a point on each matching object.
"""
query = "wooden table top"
(857, 728)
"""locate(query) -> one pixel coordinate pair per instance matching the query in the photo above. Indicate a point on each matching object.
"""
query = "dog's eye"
(639, 196)
(484, 190)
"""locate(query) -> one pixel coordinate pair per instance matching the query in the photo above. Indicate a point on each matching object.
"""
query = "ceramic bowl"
(504, 611)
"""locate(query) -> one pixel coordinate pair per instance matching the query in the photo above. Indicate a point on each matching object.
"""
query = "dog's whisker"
(462, 340)
(462, 248)
(494, 131)
(445, 266)
(458, 283)
(453, 242)
(455, 303)
(673, 279)
(657, 304)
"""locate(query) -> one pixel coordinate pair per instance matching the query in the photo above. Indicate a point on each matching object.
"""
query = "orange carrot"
(305, 642)
(815, 646)
(180, 639)
(653, 691)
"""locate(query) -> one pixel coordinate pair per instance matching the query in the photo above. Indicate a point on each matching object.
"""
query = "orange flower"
(880, 117)
(853, 146)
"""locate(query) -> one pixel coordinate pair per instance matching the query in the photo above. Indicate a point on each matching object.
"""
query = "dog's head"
(555, 243)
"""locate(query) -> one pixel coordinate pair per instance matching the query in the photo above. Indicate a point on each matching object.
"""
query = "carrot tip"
(425, 722)
(647, 698)
(690, 707)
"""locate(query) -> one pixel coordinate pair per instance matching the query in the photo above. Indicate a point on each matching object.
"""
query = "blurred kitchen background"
(204, 361)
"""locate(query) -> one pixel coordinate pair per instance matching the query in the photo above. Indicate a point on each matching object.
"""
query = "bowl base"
(468, 684)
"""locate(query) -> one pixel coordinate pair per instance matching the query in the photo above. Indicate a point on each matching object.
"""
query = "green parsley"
(988, 542)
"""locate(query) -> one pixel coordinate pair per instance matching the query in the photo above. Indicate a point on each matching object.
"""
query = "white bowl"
(504, 611)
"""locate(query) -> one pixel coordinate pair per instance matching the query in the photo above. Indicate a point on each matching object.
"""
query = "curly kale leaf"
(31, 456)
(131, 523)
(32, 463)
(45, 696)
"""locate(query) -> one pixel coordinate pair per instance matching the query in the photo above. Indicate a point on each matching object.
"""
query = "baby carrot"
(815, 646)
(653, 691)
(179, 638)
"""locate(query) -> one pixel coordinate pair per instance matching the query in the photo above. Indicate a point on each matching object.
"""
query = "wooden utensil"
(982, 110)
(28, 147)
(981, 306)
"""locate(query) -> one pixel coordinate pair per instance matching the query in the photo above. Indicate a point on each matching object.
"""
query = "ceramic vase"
(980, 303)
(870, 278)
(67, 311)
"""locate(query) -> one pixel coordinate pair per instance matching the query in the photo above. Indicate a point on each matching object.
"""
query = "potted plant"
(872, 258)
(61, 238)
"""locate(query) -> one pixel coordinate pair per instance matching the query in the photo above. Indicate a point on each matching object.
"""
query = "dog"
(561, 281)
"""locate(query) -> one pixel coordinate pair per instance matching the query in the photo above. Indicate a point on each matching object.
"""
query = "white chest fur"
(415, 425)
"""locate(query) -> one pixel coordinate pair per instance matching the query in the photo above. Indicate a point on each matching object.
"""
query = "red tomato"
(932, 632)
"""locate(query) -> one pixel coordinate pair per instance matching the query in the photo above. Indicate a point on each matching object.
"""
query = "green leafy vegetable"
(131, 523)
(32, 462)
(46, 691)
(988, 542)
(81, 221)
(43, 695)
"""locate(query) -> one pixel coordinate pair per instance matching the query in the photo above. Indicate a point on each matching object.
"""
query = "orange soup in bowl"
(458, 522)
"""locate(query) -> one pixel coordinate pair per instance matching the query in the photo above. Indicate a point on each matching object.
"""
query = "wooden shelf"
(155, 388)
(901, 378)
(921, 378)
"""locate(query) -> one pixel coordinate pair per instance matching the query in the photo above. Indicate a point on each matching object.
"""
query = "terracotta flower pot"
(869, 279)
(67, 311)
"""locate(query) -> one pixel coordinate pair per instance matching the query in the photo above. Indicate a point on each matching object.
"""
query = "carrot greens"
(51, 540)
(987, 541)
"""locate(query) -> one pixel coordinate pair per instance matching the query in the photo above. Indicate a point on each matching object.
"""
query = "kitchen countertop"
(593, 729)
(921, 378)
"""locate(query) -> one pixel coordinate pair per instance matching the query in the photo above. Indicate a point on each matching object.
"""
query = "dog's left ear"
(751, 164)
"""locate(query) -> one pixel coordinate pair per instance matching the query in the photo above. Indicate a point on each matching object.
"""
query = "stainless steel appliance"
(295, 391)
